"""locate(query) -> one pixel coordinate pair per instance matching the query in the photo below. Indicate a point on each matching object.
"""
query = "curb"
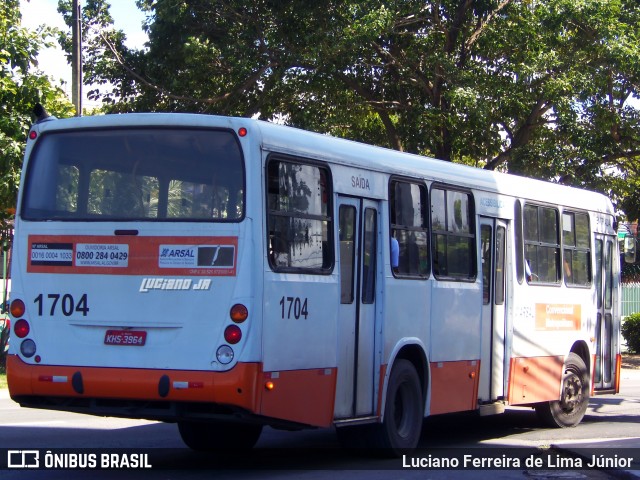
(614, 472)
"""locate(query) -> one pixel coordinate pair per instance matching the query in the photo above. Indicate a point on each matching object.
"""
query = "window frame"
(447, 234)
(88, 168)
(575, 248)
(425, 228)
(519, 241)
(329, 217)
(539, 244)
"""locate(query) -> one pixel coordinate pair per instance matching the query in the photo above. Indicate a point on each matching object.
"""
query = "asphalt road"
(610, 431)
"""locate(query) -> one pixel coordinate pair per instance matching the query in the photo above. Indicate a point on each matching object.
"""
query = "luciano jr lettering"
(160, 283)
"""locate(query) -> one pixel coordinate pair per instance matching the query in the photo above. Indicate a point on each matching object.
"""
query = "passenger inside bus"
(395, 254)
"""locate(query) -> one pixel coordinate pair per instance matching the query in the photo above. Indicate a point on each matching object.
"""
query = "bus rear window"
(135, 174)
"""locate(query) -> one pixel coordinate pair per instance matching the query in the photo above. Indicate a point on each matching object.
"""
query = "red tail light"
(21, 328)
(232, 334)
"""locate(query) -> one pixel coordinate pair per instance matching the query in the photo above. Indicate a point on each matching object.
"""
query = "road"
(610, 427)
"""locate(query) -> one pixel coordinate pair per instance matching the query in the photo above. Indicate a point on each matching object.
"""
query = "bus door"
(359, 244)
(605, 365)
(493, 249)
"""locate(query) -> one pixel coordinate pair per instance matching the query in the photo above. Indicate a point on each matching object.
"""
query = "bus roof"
(290, 140)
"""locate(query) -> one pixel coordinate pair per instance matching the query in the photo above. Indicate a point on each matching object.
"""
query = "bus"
(227, 274)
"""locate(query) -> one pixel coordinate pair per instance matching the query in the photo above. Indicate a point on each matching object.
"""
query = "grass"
(3, 381)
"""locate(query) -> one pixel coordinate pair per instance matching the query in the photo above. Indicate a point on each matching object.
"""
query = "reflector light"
(269, 385)
(232, 334)
(28, 348)
(21, 328)
(239, 313)
(242, 132)
(53, 378)
(224, 354)
(33, 135)
(186, 385)
(17, 308)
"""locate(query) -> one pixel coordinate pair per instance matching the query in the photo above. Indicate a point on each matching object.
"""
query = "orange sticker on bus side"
(107, 255)
(554, 316)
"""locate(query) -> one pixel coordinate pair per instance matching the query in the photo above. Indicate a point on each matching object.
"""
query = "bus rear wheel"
(574, 399)
(403, 412)
(206, 437)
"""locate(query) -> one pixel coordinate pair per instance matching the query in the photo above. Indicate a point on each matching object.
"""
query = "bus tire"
(206, 437)
(403, 413)
(574, 398)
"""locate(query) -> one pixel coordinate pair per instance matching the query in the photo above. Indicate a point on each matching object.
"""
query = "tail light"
(232, 334)
(239, 313)
(21, 328)
(17, 308)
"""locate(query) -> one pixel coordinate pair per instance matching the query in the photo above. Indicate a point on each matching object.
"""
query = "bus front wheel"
(403, 412)
(574, 398)
(219, 435)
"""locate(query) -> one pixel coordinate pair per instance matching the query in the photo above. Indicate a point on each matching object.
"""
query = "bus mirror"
(629, 249)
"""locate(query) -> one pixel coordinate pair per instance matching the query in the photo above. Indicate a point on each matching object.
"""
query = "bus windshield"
(148, 174)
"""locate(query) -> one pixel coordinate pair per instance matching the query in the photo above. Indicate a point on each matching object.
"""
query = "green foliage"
(540, 89)
(20, 90)
(4, 344)
(631, 332)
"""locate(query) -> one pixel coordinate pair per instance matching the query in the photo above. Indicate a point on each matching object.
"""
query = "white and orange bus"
(227, 273)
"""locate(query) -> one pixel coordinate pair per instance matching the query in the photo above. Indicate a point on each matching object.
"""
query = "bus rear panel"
(127, 273)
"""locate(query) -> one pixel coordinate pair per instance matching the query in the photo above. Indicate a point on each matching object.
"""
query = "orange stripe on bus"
(454, 386)
(303, 396)
(238, 386)
(535, 379)
(618, 368)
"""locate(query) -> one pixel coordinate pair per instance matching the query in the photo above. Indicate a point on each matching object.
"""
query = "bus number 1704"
(66, 304)
(294, 307)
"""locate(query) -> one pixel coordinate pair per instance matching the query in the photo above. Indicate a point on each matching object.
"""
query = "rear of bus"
(132, 294)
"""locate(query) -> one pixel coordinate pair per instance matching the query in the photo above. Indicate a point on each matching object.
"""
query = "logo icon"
(23, 459)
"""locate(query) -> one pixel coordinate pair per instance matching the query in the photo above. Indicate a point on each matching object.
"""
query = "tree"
(20, 90)
(539, 88)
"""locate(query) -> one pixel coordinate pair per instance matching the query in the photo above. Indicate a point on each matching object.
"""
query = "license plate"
(125, 337)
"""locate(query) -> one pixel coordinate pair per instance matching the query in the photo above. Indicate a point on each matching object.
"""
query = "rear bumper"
(234, 390)
(295, 398)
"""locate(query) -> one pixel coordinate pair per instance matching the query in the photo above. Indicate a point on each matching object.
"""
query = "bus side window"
(576, 255)
(453, 236)
(520, 263)
(409, 229)
(299, 217)
(542, 243)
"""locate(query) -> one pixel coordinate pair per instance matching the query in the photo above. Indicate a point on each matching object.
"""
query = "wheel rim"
(572, 393)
